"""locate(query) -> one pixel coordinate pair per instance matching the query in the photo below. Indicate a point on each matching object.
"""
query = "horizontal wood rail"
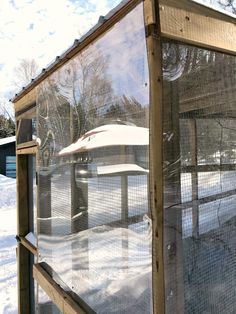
(61, 298)
(30, 147)
(28, 245)
(208, 168)
(188, 22)
(203, 200)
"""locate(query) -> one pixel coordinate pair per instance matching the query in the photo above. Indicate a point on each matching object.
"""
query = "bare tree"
(24, 72)
(229, 5)
(6, 109)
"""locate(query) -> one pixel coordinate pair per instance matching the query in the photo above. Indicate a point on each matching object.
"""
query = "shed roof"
(7, 140)
(108, 135)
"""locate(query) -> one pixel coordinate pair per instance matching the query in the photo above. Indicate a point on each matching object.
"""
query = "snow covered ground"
(8, 292)
(212, 216)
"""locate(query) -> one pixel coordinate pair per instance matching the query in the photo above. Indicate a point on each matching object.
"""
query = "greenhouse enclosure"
(126, 166)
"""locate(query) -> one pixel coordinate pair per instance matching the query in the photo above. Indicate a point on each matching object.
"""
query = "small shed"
(126, 166)
(8, 156)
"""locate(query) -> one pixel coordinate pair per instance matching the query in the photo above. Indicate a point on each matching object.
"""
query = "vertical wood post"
(194, 177)
(44, 202)
(79, 202)
(173, 242)
(124, 210)
(23, 255)
(79, 190)
(152, 26)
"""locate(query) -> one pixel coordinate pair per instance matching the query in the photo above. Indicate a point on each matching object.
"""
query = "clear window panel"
(92, 125)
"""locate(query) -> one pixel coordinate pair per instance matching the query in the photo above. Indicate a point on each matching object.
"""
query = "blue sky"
(41, 29)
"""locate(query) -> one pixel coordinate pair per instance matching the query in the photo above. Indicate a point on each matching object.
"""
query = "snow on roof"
(7, 140)
(121, 168)
(108, 135)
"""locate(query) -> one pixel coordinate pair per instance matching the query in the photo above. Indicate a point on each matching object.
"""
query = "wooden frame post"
(194, 177)
(23, 255)
(25, 250)
(173, 242)
(152, 25)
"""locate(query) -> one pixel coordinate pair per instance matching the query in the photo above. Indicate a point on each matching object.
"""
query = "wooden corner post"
(23, 255)
(153, 40)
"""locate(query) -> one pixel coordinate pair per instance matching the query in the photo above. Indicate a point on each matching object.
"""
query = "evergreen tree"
(7, 127)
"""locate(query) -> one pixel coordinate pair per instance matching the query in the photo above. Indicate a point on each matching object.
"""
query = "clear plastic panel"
(94, 225)
(199, 180)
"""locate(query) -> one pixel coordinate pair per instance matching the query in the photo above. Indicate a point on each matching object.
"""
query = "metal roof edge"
(68, 54)
(7, 140)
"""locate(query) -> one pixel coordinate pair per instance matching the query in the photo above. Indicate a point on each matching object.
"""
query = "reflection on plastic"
(199, 179)
(93, 131)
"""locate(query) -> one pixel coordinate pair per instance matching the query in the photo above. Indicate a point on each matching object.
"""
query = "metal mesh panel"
(199, 180)
(94, 225)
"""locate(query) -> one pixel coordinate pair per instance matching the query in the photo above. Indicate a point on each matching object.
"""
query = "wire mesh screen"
(199, 179)
(94, 226)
